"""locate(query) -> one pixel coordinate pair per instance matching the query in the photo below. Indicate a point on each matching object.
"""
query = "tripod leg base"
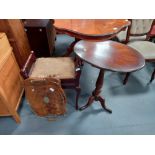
(90, 101)
(102, 101)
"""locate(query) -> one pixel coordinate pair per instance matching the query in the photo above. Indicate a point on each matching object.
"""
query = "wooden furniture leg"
(78, 90)
(152, 76)
(126, 78)
(9, 107)
(102, 101)
(70, 48)
(16, 117)
(96, 94)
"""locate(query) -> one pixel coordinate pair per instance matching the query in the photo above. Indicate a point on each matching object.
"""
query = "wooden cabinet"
(41, 36)
(11, 89)
(14, 30)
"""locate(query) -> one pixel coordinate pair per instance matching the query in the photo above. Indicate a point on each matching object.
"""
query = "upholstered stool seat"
(146, 48)
(61, 68)
(65, 69)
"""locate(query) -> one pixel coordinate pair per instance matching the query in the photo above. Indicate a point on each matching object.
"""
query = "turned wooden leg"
(78, 90)
(152, 76)
(90, 101)
(9, 107)
(70, 48)
(79, 61)
(102, 101)
(97, 90)
(126, 78)
(99, 83)
(95, 94)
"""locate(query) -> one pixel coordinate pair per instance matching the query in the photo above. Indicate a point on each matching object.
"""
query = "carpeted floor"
(133, 106)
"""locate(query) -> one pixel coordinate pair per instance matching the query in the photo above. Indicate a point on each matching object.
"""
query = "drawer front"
(10, 80)
(3, 108)
(4, 46)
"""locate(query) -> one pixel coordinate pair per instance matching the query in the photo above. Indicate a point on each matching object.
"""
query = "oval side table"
(107, 55)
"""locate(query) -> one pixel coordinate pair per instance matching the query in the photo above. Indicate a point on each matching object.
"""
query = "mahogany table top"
(110, 55)
(90, 28)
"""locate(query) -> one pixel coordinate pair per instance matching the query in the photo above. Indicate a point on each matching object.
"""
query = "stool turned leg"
(152, 76)
(126, 78)
(78, 90)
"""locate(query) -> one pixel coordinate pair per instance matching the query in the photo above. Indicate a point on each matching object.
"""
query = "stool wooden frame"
(72, 83)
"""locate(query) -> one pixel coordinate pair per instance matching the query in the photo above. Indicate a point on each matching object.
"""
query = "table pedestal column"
(96, 93)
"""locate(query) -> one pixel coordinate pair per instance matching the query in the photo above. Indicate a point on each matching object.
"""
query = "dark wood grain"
(89, 29)
(95, 29)
(36, 90)
(110, 55)
(107, 55)
(41, 36)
